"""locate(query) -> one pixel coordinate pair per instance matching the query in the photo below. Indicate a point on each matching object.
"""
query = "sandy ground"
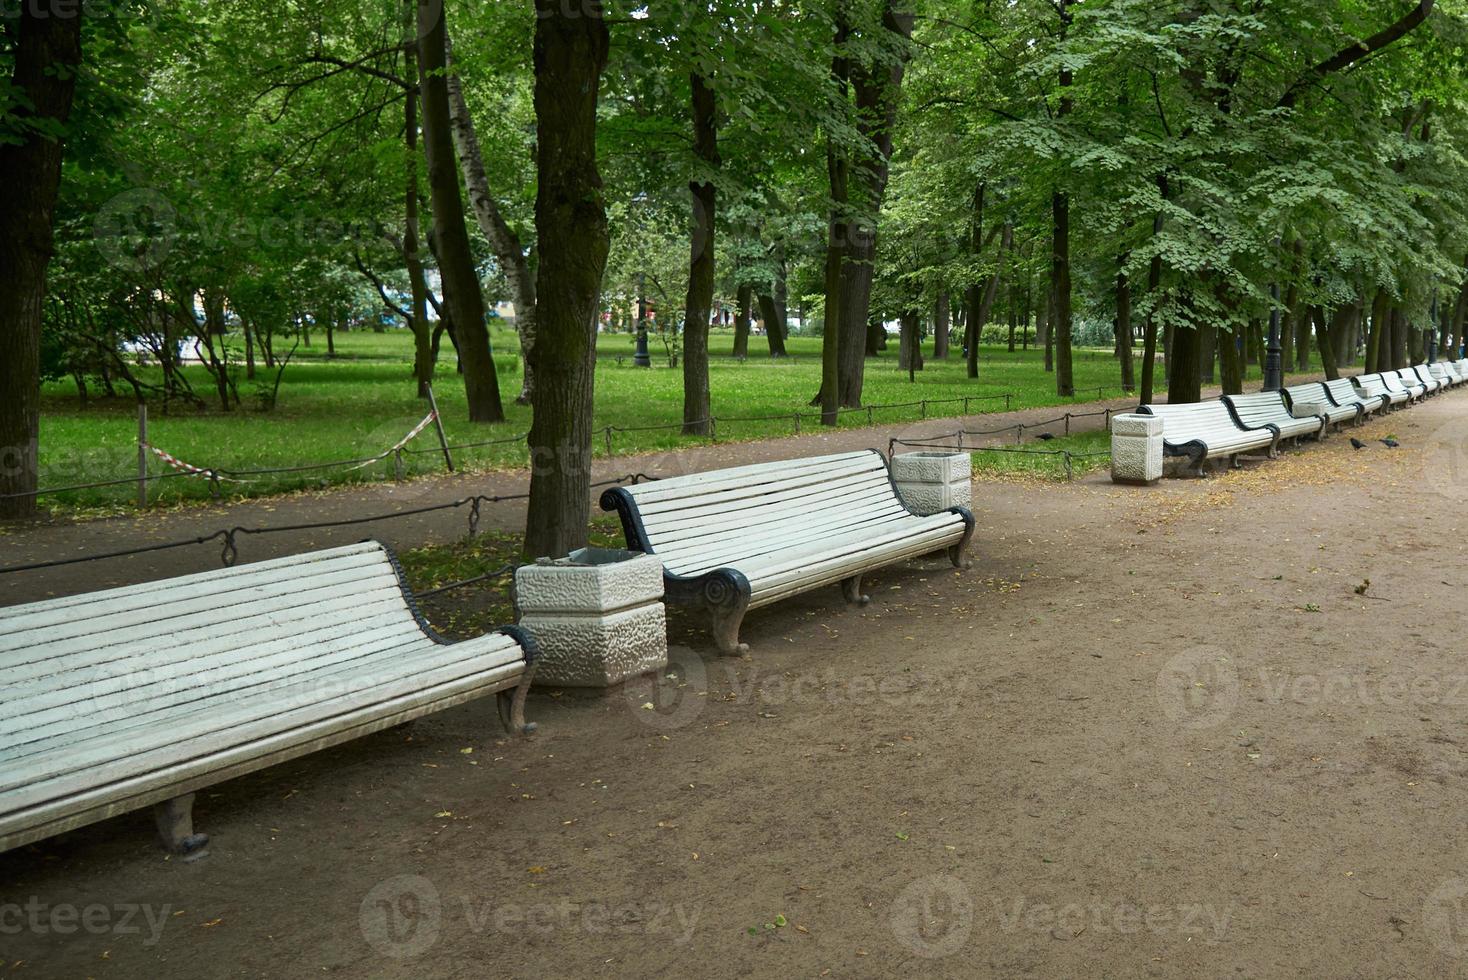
(1152, 732)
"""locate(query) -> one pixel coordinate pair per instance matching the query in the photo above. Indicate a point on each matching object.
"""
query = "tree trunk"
(1375, 340)
(973, 294)
(1398, 338)
(249, 348)
(461, 291)
(1231, 360)
(571, 231)
(775, 327)
(877, 91)
(1060, 265)
(1183, 385)
(425, 348)
(1208, 352)
(1124, 331)
(1325, 334)
(699, 299)
(941, 314)
(910, 347)
(829, 397)
(741, 320)
(508, 250)
(45, 50)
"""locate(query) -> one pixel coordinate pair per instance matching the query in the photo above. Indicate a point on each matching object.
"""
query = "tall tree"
(700, 299)
(47, 54)
(463, 298)
(571, 229)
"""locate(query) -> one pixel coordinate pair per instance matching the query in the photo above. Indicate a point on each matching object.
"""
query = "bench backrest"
(1423, 374)
(1198, 420)
(1259, 408)
(737, 513)
(1312, 392)
(167, 641)
(1342, 392)
(1376, 384)
(1402, 380)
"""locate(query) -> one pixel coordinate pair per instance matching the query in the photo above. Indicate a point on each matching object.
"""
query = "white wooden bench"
(1315, 393)
(1376, 385)
(1266, 409)
(1445, 371)
(1345, 394)
(1420, 374)
(1202, 431)
(737, 539)
(142, 695)
(1406, 381)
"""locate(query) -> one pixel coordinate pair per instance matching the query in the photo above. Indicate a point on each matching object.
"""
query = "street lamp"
(1273, 369)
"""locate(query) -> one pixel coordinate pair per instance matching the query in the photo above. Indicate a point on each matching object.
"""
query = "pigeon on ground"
(1045, 436)
(1390, 443)
(1357, 443)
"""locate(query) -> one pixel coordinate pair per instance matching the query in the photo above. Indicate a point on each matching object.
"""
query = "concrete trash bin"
(1136, 448)
(597, 615)
(933, 481)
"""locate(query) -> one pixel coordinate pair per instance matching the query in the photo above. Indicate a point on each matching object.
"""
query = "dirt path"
(20, 545)
(1152, 732)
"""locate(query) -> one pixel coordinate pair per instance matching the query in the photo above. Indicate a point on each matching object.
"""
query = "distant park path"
(22, 544)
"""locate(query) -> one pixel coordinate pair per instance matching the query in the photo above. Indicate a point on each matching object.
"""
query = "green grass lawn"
(360, 402)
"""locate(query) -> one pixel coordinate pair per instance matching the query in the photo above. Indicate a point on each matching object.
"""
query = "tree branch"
(1354, 52)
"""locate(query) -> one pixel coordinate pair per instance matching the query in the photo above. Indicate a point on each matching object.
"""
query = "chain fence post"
(443, 440)
(607, 436)
(142, 454)
(397, 466)
(1067, 423)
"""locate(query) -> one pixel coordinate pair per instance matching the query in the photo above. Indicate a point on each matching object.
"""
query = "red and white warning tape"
(400, 443)
(216, 476)
(180, 465)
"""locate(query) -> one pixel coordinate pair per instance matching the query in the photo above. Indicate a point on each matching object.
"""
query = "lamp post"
(639, 356)
(1273, 369)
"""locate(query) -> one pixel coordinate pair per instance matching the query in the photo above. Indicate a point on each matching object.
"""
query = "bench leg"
(175, 820)
(725, 593)
(851, 591)
(511, 705)
(727, 620)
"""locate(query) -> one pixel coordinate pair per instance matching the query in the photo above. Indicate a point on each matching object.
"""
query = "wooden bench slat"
(808, 482)
(23, 641)
(249, 719)
(51, 801)
(768, 506)
(120, 698)
(365, 554)
(136, 639)
(91, 698)
(778, 517)
(746, 553)
(692, 485)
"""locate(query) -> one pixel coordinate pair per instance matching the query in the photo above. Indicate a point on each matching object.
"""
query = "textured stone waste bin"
(1136, 448)
(932, 482)
(597, 615)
